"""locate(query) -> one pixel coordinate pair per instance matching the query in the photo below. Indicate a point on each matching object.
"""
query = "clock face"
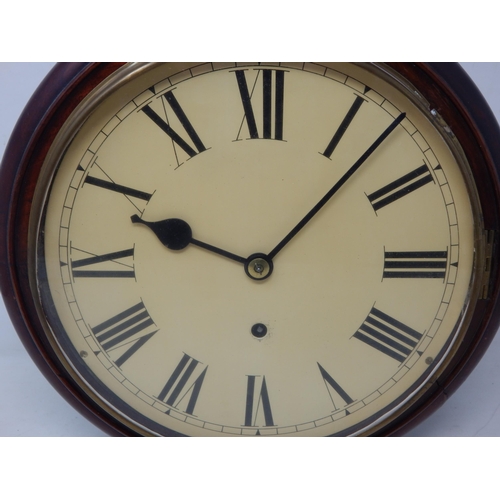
(254, 249)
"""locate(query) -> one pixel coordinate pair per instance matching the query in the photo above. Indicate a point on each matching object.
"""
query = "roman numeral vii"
(184, 382)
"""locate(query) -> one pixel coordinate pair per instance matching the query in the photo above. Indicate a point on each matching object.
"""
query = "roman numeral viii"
(415, 264)
(182, 383)
(388, 335)
(400, 187)
(126, 332)
(273, 88)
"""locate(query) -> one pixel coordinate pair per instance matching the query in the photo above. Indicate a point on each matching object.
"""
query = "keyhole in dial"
(259, 330)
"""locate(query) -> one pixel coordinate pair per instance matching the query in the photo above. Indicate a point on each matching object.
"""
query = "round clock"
(252, 249)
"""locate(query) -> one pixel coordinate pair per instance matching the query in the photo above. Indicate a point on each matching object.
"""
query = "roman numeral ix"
(114, 257)
(388, 335)
(175, 390)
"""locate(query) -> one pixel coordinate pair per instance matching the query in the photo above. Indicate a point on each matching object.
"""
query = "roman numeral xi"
(196, 145)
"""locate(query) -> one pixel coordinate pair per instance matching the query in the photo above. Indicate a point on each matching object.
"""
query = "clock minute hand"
(176, 234)
(337, 186)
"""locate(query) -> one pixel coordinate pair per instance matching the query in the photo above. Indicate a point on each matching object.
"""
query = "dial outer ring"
(448, 90)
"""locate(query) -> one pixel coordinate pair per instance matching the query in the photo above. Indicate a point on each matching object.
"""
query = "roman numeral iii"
(388, 335)
(273, 89)
(415, 264)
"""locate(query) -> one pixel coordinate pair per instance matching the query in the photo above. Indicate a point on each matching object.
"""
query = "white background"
(29, 406)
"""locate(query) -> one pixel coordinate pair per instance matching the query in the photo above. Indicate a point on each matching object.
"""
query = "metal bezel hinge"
(488, 239)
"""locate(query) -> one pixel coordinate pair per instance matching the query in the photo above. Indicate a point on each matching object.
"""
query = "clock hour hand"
(176, 234)
(337, 186)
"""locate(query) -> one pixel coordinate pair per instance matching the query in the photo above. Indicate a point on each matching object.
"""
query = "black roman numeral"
(415, 264)
(330, 381)
(94, 261)
(132, 327)
(400, 187)
(175, 390)
(343, 126)
(257, 401)
(197, 145)
(388, 335)
(135, 197)
(270, 86)
(117, 188)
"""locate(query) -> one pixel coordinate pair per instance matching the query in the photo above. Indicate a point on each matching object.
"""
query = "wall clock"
(243, 249)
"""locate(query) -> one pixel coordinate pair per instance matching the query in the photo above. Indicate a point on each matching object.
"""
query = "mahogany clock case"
(29, 395)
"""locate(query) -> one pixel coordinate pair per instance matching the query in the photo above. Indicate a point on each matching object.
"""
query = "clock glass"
(254, 249)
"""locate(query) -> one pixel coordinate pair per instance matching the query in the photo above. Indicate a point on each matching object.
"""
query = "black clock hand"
(176, 234)
(337, 186)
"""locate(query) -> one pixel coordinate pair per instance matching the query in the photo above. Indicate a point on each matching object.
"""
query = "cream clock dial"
(255, 249)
